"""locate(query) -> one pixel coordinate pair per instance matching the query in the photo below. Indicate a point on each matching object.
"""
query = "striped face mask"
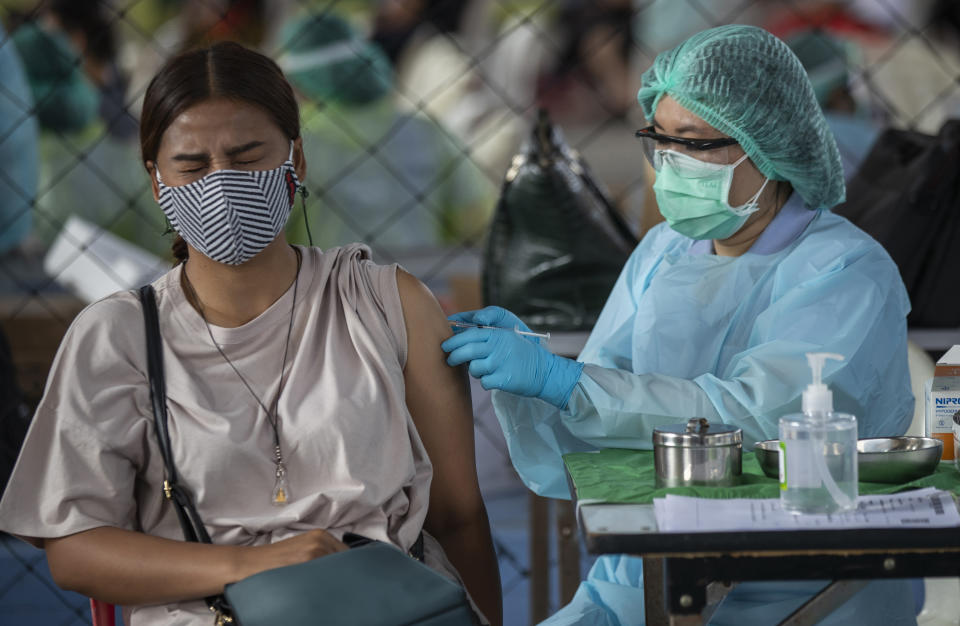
(230, 216)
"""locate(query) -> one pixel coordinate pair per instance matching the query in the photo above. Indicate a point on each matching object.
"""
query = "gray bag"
(371, 585)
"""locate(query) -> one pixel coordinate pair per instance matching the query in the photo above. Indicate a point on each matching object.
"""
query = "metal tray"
(879, 459)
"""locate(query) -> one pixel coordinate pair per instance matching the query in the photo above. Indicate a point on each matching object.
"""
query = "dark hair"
(226, 70)
(91, 19)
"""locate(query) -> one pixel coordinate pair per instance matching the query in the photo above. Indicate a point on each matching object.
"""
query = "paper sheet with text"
(923, 508)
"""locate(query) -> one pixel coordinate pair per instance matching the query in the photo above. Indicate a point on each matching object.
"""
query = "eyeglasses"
(711, 150)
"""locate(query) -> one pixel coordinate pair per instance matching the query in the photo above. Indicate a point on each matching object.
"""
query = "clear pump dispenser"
(818, 451)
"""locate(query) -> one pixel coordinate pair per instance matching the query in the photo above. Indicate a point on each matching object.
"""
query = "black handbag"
(906, 195)
(372, 584)
(556, 244)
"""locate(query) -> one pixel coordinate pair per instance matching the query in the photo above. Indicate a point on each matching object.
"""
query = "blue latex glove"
(502, 359)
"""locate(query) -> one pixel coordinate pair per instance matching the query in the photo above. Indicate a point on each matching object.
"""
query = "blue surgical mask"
(692, 196)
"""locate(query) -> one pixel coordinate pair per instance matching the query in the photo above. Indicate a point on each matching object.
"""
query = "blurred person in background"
(67, 100)
(663, 24)
(831, 40)
(588, 87)
(442, 54)
(90, 27)
(400, 27)
(597, 45)
(174, 26)
(395, 180)
(395, 23)
(18, 150)
(827, 59)
(18, 271)
(85, 170)
(910, 80)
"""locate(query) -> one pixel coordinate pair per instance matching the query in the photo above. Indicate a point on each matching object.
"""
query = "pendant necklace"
(281, 490)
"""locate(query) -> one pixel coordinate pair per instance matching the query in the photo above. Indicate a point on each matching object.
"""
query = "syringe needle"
(516, 329)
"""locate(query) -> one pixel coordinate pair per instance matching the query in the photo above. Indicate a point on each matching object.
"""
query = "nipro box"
(943, 401)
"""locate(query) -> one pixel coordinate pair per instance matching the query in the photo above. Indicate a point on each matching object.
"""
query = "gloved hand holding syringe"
(516, 362)
(516, 329)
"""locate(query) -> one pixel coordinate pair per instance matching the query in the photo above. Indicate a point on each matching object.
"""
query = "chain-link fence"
(411, 111)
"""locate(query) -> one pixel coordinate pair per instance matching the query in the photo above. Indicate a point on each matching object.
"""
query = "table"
(686, 575)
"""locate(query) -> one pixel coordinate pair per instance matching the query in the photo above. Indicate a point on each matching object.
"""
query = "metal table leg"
(653, 593)
(825, 602)
(568, 550)
(539, 526)
(687, 595)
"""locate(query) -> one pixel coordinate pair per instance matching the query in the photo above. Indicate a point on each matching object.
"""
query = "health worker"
(714, 311)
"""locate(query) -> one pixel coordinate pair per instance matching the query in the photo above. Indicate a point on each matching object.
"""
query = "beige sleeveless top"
(354, 459)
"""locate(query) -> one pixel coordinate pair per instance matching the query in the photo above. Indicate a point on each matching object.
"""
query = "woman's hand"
(127, 567)
(300, 549)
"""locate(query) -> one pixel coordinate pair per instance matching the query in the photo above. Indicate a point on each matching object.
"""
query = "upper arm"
(438, 397)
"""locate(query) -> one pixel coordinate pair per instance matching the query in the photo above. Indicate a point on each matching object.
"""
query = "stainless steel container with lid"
(697, 454)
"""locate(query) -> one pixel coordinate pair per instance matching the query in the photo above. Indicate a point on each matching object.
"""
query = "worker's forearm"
(126, 567)
(470, 549)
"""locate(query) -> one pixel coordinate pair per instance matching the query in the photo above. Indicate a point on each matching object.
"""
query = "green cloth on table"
(627, 477)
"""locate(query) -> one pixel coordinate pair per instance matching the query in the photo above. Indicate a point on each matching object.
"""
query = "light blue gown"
(687, 333)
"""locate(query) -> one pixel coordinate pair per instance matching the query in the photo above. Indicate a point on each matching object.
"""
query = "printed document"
(923, 508)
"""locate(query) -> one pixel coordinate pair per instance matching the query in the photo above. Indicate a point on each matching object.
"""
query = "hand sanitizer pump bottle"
(818, 451)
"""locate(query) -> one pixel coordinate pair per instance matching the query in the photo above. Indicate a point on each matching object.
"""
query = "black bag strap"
(190, 522)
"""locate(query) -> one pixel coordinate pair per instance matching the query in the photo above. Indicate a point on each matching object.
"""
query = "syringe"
(516, 329)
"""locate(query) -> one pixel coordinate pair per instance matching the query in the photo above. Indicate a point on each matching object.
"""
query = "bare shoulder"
(422, 314)
(410, 286)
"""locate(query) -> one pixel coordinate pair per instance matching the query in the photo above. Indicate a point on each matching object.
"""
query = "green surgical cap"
(747, 84)
(327, 60)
